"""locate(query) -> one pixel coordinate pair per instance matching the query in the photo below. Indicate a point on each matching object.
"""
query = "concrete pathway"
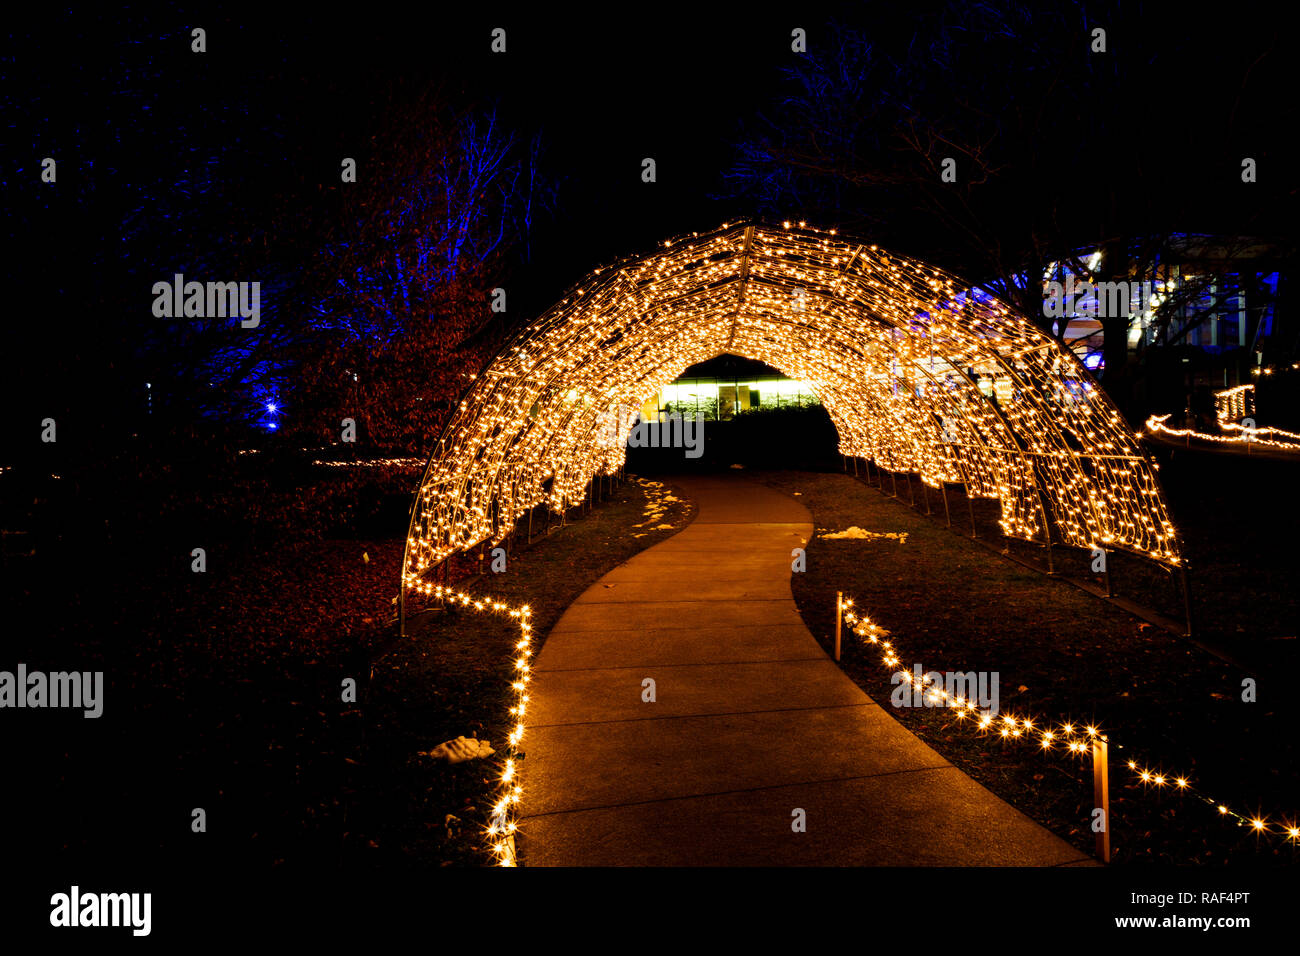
(751, 722)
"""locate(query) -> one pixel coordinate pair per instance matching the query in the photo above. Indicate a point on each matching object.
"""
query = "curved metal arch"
(890, 344)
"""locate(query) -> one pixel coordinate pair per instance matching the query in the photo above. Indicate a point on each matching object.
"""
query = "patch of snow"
(459, 750)
(862, 533)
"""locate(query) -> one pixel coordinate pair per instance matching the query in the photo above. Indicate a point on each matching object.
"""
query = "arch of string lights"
(892, 346)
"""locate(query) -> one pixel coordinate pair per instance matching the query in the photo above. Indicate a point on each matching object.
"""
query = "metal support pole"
(925, 492)
(970, 507)
(1101, 797)
(947, 515)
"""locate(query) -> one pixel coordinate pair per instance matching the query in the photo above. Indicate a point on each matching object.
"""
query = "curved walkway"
(751, 723)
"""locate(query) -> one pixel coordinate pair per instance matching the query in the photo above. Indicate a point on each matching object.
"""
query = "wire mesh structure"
(895, 349)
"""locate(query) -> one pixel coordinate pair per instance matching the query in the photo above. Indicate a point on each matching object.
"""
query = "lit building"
(721, 387)
(1212, 299)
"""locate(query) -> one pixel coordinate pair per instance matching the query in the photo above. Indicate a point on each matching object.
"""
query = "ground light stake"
(1101, 796)
(839, 616)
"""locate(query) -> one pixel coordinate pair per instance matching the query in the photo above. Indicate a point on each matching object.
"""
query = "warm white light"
(895, 349)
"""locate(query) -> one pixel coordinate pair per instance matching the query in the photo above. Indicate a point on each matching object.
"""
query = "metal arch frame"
(592, 329)
(1027, 467)
(1084, 376)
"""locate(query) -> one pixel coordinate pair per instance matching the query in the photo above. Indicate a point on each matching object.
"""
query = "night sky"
(131, 114)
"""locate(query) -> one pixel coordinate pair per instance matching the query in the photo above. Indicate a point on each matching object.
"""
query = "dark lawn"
(1061, 653)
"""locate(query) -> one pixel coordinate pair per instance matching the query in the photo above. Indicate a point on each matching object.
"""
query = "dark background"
(118, 98)
(280, 95)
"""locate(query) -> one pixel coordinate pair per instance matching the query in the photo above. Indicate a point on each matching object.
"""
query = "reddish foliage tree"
(400, 299)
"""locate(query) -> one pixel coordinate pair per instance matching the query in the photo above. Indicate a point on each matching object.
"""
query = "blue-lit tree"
(170, 162)
(401, 291)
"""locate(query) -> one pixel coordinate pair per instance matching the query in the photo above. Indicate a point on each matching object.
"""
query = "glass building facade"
(722, 397)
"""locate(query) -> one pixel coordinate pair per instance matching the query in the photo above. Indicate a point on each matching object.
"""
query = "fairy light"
(895, 349)
(1010, 727)
(503, 824)
(1233, 403)
(1241, 434)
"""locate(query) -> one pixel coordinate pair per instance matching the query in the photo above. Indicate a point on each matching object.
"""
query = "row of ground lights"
(1071, 737)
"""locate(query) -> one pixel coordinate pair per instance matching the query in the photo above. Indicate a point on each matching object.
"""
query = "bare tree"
(406, 279)
(999, 138)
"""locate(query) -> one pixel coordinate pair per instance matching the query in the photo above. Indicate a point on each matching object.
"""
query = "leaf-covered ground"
(225, 693)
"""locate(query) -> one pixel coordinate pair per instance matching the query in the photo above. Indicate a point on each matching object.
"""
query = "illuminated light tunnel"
(893, 347)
